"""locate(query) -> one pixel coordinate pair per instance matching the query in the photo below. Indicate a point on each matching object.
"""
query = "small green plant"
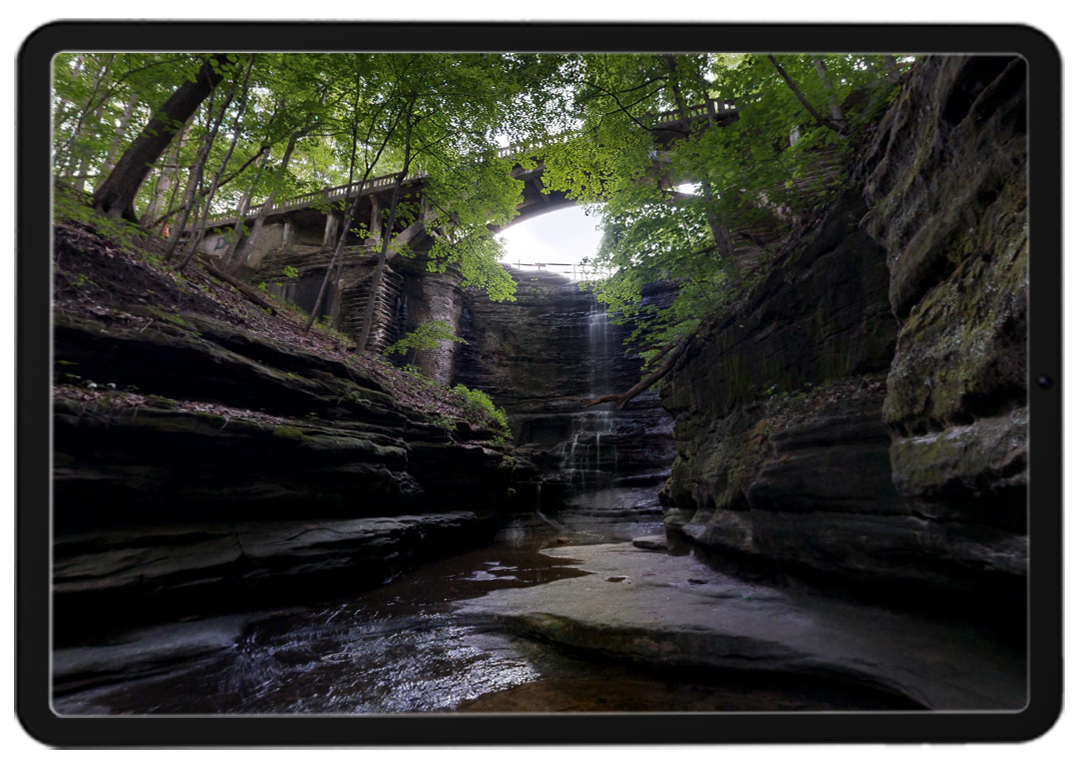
(262, 286)
(414, 371)
(426, 336)
(291, 272)
(326, 325)
(480, 404)
(444, 422)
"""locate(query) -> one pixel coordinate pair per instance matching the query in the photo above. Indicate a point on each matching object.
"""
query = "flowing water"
(401, 648)
(397, 648)
(591, 454)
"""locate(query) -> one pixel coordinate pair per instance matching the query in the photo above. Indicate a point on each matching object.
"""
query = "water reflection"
(398, 648)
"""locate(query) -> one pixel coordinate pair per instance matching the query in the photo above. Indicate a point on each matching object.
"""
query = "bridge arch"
(300, 233)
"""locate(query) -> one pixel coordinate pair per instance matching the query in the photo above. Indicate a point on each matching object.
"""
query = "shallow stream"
(402, 647)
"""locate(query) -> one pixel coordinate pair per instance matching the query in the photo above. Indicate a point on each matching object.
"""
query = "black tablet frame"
(34, 365)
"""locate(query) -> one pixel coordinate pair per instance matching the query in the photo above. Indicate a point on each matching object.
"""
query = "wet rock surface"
(407, 646)
(676, 612)
(227, 468)
(337, 442)
(950, 207)
(211, 566)
(555, 341)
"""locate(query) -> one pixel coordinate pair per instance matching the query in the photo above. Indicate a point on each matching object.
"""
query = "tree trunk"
(834, 107)
(82, 173)
(115, 196)
(239, 286)
(118, 139)
(228, 261)
(161, 217)
(264, 210)
(350, 216)
(195, 178)
(83, 114)
(388, 232)
(159, 199)
(200, 225)
(892, 72)
(720, 233)
(229, 258)
(820, 118)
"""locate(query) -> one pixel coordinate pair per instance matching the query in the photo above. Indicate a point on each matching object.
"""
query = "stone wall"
(950, 208)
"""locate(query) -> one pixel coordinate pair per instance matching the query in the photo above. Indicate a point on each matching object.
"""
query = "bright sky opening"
(557, 240)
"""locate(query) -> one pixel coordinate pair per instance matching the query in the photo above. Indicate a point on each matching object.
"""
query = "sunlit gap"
(560, 242)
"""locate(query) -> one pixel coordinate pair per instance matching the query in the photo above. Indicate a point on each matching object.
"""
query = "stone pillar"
(286, 234)
(441, 299)
(376, 221)
(333, 223)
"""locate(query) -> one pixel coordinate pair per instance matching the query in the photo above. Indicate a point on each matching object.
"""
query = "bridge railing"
(720, 106)
(328, 195)
(381, 183)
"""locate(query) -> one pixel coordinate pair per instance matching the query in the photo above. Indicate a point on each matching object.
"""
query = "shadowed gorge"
(333, 455)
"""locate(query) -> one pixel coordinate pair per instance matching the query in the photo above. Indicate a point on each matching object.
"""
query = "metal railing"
(574, 270)
(329, 195)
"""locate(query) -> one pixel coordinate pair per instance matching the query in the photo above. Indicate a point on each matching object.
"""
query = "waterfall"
(591, 455)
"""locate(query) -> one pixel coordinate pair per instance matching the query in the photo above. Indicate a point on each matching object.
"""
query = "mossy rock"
(291, 433)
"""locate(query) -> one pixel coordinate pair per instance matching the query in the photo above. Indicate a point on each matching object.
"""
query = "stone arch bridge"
(300, 232)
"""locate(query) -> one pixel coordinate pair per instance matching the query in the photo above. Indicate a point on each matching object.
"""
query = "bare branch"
(821, 119)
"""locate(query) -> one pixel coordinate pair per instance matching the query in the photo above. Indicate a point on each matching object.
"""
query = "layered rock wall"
(949, 198)
(246, 469)
(549, 344)
(863, 412)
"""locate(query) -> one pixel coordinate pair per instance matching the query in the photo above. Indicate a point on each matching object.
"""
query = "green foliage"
(291, 272)
(72, 207)
(426, 336)
(679, 211)
(480, 406)
(325, 325)
(668, 209)
(444, 422)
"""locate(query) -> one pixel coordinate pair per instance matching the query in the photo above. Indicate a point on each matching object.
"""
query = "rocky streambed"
(541, 620)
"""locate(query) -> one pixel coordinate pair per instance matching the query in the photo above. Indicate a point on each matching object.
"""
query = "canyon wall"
(201, 465)
(862, 413)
